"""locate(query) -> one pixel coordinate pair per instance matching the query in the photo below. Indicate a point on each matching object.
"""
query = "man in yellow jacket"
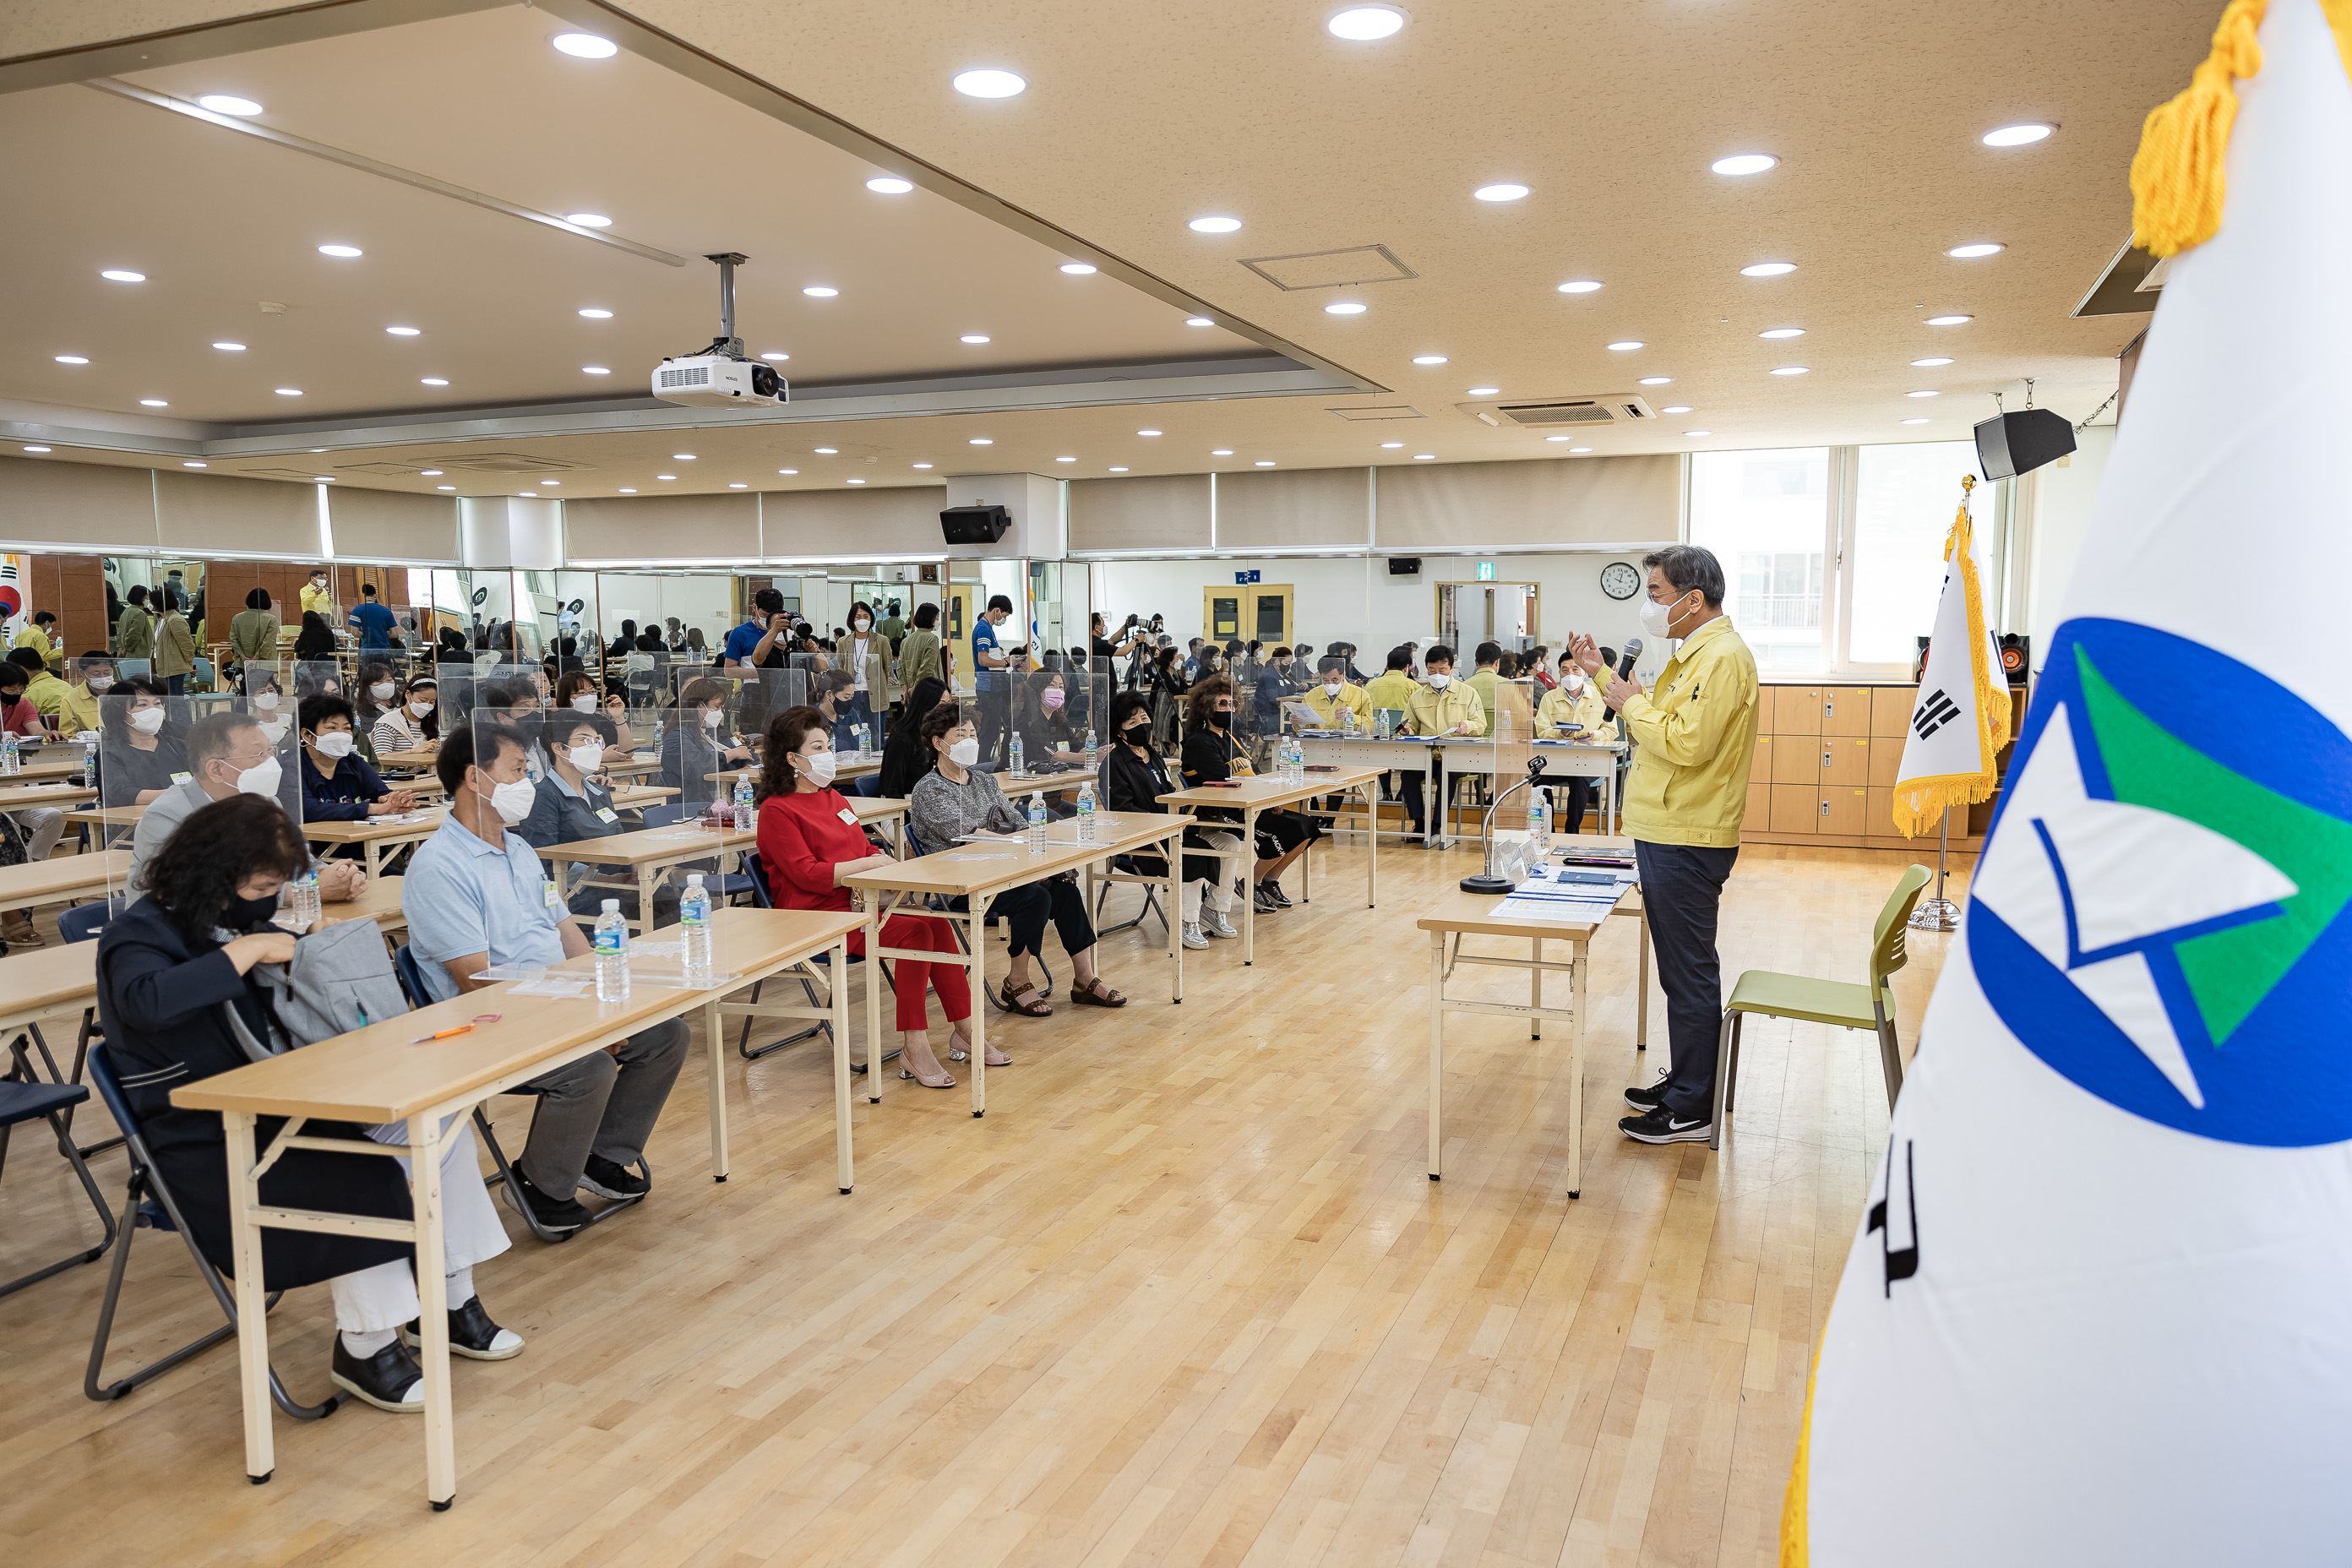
(1443, 707)
(1575, 703)
(1693, 739)
(1331, 697)
(1392, 689)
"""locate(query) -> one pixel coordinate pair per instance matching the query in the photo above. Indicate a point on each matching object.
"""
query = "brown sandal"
(1097, 995)
(1034, 1007)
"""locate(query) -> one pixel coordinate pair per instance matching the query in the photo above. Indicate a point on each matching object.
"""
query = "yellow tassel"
(2176, 176)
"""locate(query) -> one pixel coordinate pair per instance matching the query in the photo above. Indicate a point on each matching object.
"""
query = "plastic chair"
(867, 785)
(1838, 1002)
(805, 977)
(26, 1099)
(149, 1203)
(82, 922)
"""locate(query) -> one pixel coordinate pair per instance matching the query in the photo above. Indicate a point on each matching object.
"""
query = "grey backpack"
(341, 980)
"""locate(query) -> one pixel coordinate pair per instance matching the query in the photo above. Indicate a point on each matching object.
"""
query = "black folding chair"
(800, 973)
(24, 1098)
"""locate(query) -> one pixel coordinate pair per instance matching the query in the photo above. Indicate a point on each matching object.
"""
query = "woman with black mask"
(905, 756)
(1134, 777)
(1212, 752)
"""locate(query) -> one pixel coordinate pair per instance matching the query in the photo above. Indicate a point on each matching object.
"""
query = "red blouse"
(802, 837)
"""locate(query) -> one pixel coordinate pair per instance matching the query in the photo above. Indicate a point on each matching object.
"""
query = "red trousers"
(947, 977)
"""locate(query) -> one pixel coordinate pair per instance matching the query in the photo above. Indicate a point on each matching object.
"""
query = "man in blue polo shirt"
(760, 643)
(373, 622)
(991, 677)
(475, 897)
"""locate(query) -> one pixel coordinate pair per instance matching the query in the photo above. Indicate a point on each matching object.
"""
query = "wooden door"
(1759, 807)
(1846, 761)
(1796, 760)
(1886, 759)
(1796, 808)
(957, 634)
(1890, 710)
(1845, 710)
(1796, 709)
(1259, 612)
(1842, 811)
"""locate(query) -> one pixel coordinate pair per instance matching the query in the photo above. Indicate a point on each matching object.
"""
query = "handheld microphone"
(1632, 651)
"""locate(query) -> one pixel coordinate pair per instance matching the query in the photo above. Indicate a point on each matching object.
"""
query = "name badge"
(179, 778)
(847, 815)
(607, 814)
(554, 899)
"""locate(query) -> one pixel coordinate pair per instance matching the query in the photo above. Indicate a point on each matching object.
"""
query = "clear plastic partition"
(157, 773)
(353, 817)
(704, 748)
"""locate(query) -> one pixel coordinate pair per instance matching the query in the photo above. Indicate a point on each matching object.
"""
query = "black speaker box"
(2009, 445)
(974, 524)
(1404, 566)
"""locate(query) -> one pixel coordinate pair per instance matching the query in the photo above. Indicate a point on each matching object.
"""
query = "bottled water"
(745, 811)
(1036, 825)
(1502, 723)
(11, 759)
(1294, 760)
(857, 733)
(693, 932)
(612, 941)
(90, 739)
(302, 904)
(1539, 820)
(1090, 749)
(1087, 813)
(1016, 753)
(1380, 723)
(1347, 723)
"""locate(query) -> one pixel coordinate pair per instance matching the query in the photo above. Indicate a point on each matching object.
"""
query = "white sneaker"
(1193, 937)
(1216, 925)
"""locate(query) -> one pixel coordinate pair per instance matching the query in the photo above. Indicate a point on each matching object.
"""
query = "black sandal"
(1036, 1007)
(1094, 994)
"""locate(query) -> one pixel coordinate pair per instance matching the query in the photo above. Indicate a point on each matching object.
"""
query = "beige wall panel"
(393, 525)
(1157, 512)
(225, 515)
(901, 519)
(1546, 502)
(75, 503)
(662, 528)
(1290, 508)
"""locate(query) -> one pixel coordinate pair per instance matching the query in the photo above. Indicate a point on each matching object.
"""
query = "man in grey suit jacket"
(228, 753)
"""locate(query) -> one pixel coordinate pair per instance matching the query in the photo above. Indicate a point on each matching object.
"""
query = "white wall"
(2062, 512)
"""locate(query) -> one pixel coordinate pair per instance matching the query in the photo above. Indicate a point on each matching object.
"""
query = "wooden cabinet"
(1846, 761)
(1825, 765)
(1796, 759)
(1842, 812)
(1759, 807)
(1890, 710)
(1796, 808)
(1845, 710)
(1886, 759)
(1793, 710)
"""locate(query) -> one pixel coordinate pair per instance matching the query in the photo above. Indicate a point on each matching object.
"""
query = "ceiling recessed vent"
(1365, 415)
(1620, 408)
(505, 463)
(302, 476)
(1331, 268)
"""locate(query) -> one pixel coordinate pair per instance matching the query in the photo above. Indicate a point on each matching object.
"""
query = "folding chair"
(149, 1203)
(412, 982)
(1838, 1002)
(802, 975)
(27, 1098)
(1122, 869)
(724, 887)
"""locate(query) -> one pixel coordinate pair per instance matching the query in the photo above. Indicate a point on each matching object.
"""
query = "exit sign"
(1486, 571)
(1245, 577)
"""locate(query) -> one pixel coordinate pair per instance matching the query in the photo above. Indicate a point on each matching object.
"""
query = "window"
(1904, 500)
(1766, 516)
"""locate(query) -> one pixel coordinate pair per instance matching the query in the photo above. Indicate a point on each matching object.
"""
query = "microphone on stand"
(1632, 651)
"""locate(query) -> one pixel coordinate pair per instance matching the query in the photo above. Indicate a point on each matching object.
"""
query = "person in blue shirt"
(338, 784)
(372, 621)
(475, 897)
(991, 665)
(574, 802)
(761, 642)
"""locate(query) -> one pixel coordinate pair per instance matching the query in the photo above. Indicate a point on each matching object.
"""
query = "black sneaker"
(1661, 1126)
(1275, 894)
(389, 1380)
(1648, 1099)
(563, 1214)
(471, 1334)
(607, 1180)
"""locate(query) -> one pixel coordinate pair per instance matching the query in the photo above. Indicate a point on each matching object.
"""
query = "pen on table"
(441, 1033)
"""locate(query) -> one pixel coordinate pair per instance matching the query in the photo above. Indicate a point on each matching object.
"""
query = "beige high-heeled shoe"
(911, 1065)
(959, 1050)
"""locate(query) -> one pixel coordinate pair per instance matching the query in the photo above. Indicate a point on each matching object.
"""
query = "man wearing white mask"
(1573, 709)
(229, 754)
(1333, 696)
(338, 784)
(573, 802)
(475, 897)
(1694, 741)
(1443, 707)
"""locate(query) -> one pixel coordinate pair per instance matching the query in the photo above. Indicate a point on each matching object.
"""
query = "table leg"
(1534, 988)
(1641, 988)
(1370, 790)
(1172, 852)
(976, 965)
(840, 1059)
(874, 1052)
(644, 921)
(714, 1047)
(252, 1299)
(1249, 886)
(1436, 1053)
(1578, 948)
(433, 1309)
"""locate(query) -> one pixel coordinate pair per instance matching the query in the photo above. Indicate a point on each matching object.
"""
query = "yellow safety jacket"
(1586, 708)
(1696, 736)
(1430, 712)
(1351, 698)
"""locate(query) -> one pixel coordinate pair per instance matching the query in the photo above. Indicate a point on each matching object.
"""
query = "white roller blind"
(895, 519)
(1294, 507)
(393, 525)
(85, 505)
(225, 515)
(1160, 512)
(1554, 501)
(662, 528)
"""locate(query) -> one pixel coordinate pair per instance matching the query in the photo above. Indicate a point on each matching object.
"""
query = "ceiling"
(1136, 119)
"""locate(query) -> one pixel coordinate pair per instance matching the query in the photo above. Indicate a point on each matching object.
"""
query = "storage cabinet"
(1825, 765)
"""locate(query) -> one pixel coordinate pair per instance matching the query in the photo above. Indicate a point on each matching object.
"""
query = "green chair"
(1847, 1006)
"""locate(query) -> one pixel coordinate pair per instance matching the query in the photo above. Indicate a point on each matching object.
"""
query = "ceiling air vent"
(1331, 268)
(1620, 408)
(1387, 411)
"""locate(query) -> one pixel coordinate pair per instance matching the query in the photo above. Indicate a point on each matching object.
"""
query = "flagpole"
(1938, 914)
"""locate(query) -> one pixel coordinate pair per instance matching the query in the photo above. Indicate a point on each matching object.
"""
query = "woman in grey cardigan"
(955, 799)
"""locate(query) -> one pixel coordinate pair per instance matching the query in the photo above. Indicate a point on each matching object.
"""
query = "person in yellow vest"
(1693, 740)
(1573, 709)
(1392, 689)
(317, 596)
(77, 709)
(41, 634)
(1331, 696)
(45, 692)
(1443, 707)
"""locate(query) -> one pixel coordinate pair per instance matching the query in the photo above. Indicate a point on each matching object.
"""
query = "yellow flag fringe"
(1920, 804)
(2176, 175)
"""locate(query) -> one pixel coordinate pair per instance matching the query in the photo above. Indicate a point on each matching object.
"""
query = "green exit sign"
(1486, 571)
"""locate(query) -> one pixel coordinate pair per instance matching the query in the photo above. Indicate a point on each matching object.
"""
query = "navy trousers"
(1682, 889)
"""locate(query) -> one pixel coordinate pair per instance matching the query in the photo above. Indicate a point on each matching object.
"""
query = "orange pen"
(455, 1029)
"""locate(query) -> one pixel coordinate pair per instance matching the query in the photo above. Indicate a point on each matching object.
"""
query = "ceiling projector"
(720, 376)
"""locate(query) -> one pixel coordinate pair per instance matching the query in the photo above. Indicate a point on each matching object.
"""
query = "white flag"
(1961, 719)
(2099, 1307)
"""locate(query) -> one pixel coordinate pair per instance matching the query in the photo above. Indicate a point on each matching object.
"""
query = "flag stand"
(1938, 914)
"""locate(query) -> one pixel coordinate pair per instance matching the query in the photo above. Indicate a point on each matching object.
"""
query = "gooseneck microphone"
(1632, 651)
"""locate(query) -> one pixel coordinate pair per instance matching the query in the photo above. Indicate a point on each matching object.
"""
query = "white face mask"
(275, 729)
(860, 624)
(335, 745)
(1332, 687)
(589, 756)
(819, 768)
(382, 690)
(1440, 683)
(147, 720)
(1575, 681)
(260, 779)
(513, 801)
(963, 753)
(101, 682)
(586, 702)
(712, 718)
(420, 709)
(266, 701)
(1657, 618)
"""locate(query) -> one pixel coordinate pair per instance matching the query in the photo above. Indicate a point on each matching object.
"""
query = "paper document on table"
(1519, 908)
(1300, 714)
(682, 833)
(970, 857)
(550, 985)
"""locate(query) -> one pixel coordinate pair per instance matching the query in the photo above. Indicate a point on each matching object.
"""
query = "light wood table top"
(1474, 913)
(43, 767)
(425, 822)
(966, 869)
(45, 795)
(418, 757)
(654, 846)
(1264, 794)
(61, 877)
(105, 815)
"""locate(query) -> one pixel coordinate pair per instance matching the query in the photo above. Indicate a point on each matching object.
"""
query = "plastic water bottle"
(90, 739)
(1380, 723)
(1539, 820)
(1087, 813)
(1502, 723)
(1295, 768)
(744, 808)
(11, 757)
(1090, 749)
(857, 733)
(612, 941)
(1347, 723)
(1036, 825)
(1016, 753)
(693, 932)
(302, 901)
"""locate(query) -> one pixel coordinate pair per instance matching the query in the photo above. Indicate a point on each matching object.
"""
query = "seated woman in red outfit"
(809, 841)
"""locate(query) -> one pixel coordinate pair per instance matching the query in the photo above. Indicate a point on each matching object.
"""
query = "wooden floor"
(1185, 1296)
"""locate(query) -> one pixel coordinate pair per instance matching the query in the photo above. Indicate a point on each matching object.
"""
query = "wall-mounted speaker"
(2009, 445)
(1404, 566)
(974, 524)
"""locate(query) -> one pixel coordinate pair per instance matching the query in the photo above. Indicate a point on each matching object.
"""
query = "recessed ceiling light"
(788, 471)
(1199, 321)
(1915, 421)
(1932, 361)
(1424, 457)
(665, 476)
(1698, 432)
(889, 186)
(681, 456)
(2016, 135)
(1657, 381)
(1769, 269)
(527, 492)
(227, 103)
(1343, 308)
(1949, 321)
(1792, 370)
(341, 252)
(626, 489)
(1266, 462)
(192, 463)
(974, 338)
(289, 392)
(845, 481)
(36, 448)
(595, 370)
(1213, 225)
(403, 331)
(1744, 163)
(776, 354)
(1365, 24)
(1119, 470)
(1147, 432)
(1971, 252)
(922, 465)
(122, 275)
(1065, 459)
(1077, 268)
(820, 292)
(588, 220)
(1391, 446)
(1222, 452)
(453, 486)
(983, 441)
(230, 348)
(1482, 391)
(595, 314)
(73, 359)
(1675, 408)
(428, 473)
(1580, 448)
(1429, 359)
(330, 478)
(1922, 394)
(732, 484)
(1548, 439)
(152, 403)
(1781, 333)
(990, 84)
(826, 451)
(585, 45)
(1579, 285)
(1502, 193)
(551, 481)
(1626, 345)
